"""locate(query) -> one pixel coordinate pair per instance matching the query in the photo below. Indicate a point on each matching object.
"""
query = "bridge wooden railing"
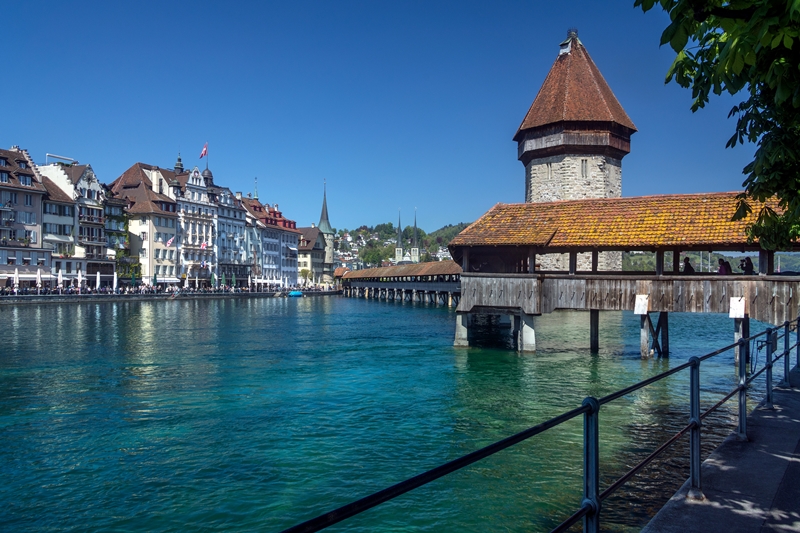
(769, 299)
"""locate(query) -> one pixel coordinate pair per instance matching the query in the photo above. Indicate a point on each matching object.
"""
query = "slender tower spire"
(398, 249)
(324, 224)
(415, 246)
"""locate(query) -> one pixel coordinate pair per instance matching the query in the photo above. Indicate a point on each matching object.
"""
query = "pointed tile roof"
(574, 91)
(324, 225)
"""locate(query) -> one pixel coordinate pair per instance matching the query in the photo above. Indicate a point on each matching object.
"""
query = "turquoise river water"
(254, 415)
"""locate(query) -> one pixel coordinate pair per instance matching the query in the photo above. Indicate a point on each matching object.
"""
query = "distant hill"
(444, 235)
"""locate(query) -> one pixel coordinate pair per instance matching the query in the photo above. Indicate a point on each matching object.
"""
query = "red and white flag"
(204, 152)
(203, 246)
(169, 242)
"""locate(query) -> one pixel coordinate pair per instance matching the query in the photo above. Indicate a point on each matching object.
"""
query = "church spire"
(179, 165)
(324, 224)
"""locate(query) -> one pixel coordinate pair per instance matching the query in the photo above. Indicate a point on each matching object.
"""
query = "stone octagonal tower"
(573, 139)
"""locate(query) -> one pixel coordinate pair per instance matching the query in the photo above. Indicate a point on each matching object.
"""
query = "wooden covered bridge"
(438, 282)
(500, 251)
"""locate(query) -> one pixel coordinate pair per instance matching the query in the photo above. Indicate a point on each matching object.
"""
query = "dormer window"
(25, 180)
(3, 177)
(3, 162)
(23, 164)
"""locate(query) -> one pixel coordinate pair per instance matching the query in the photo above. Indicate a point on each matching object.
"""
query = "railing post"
(797, 339)
(770, 349)
(695, 489)
(742, 431)
(785, 382)
(591, 466)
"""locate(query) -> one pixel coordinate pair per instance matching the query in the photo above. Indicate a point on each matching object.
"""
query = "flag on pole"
(204, 152)
(170, 241)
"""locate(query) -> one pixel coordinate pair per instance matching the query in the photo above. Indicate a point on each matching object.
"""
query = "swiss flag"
(204, 152)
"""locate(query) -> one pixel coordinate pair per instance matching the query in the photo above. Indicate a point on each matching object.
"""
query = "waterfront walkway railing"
(589, 512)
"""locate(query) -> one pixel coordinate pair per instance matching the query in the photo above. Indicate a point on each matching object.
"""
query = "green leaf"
(787, 42)
(777, 40)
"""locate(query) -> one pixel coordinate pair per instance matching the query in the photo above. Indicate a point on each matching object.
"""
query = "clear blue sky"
(396, 104)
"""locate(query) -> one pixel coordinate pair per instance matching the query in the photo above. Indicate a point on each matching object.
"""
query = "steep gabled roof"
(574, 91)
(135, 186)
(54, 192)
(678, 221)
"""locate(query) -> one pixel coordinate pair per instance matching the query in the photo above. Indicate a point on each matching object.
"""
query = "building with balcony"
(90, 248)
(195, 196)
(59, 220)
(21, 194)
(234, 258)
(152, 223)
(274, 240)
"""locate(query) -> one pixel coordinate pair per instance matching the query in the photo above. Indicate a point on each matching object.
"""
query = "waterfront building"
(196, 198)
(275, 239)
(59, 219)
(573, 139)
(234, 258)
(152, 222)
(90, 246)
(311, 253)
(21, 195)
(117, 232)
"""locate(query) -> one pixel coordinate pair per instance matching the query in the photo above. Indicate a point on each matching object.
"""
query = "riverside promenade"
(749, 487)
(34, 299)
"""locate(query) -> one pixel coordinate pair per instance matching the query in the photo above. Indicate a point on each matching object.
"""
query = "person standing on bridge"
(687, 266)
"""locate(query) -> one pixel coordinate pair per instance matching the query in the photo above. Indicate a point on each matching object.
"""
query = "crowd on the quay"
(144, 289)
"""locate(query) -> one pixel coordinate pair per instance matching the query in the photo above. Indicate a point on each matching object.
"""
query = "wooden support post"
(659, 262)
(573, 262)
(644, 335)
(595, 260)
(531, 261)
(462, 330)
(663, 326)
(594, 329)
(766, 262)
(741, 330)
(465, 260)
(676, 261)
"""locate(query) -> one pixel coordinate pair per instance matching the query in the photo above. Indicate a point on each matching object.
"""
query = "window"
(58, 267)
(143, 252)
(12, 198)
(28, 200)
(23, 164)
(143, 235)
(69, 267)
(584, 168)
(3, 162)
(156, 253)
(3, 177)
(25, 180)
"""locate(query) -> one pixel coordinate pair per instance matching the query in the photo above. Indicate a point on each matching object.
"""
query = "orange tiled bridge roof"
(681, 221)
(433, 268)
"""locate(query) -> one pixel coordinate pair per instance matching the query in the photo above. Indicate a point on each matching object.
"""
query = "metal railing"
(593, 498)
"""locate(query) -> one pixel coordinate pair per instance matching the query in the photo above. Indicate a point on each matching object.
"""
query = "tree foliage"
(748, 47)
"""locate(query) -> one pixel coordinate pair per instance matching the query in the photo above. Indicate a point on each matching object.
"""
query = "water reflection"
(253, 414)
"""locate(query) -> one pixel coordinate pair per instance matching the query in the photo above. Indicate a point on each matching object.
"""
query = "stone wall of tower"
(567, 177)
(561, 177)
